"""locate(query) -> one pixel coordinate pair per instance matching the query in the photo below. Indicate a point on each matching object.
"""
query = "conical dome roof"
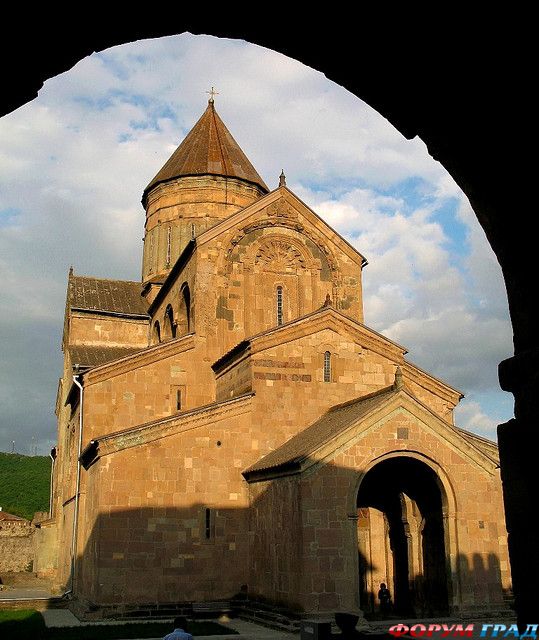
(208, 149)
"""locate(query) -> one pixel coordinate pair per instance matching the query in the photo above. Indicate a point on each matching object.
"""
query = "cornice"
(329, 318)
(237, 219)
(429, 382)
(323, 318)
(113, 314)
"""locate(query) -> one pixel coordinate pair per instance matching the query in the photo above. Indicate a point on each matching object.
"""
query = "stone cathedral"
(230, 425)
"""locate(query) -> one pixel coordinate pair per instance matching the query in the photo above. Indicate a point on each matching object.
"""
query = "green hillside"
(24, 484)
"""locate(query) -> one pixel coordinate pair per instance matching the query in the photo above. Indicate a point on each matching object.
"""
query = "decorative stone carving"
(281, 209)
(278, 255)
(287, 224)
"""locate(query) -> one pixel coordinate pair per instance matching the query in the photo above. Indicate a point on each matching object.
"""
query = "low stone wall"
(16, 546)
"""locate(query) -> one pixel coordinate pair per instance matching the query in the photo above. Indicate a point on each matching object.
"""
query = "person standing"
(384, 596)
(179, 632)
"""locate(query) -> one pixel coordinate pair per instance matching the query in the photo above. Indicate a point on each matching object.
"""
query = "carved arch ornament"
(278, 254)
(287, 223)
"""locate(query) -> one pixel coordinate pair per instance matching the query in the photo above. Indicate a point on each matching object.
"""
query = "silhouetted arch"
(169, 326)
(184, 312)
(458, 133)
(156, 333)
(414, 557)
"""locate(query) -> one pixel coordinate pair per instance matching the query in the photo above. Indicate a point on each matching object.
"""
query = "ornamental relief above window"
(279, 256)
(243, 246)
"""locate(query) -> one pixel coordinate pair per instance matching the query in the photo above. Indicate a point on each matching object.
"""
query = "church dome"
(208, 149)
(207, 179)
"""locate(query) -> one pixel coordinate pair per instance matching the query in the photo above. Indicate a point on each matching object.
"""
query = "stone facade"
(237, 420)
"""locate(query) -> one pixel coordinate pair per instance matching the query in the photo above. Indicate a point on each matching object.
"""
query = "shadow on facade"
(295, 548)
(479, 576)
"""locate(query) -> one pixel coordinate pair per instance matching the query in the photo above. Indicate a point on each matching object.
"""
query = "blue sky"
(75, 161)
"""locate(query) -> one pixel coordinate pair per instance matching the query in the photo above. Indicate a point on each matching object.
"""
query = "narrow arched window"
(279, 305)
(150, 259)
(327, 366)
(207, 524)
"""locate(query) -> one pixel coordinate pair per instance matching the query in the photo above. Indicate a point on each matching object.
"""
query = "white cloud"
(470, 416)
(417, 294)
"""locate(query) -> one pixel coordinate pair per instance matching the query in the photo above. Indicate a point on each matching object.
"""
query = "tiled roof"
(11, 517)
(115, 296)
(208, 149)
(96, 356)
(336, 420)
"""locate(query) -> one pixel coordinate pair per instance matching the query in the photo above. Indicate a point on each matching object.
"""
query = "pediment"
(318, 321)
(346, 425)
(281, 208)
(407, 406)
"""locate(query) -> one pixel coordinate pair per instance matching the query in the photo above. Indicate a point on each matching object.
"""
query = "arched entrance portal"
(401, 539)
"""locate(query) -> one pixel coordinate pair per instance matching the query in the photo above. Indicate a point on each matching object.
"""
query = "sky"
(75, 161)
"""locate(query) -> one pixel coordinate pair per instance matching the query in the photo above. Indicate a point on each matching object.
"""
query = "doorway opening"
(401, 540)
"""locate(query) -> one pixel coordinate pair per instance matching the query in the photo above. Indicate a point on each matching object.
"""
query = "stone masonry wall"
(168, 521)
(277, 540)
(16, 546)
(100, 330)
(288, 381)
(476, 536)
(142, 390)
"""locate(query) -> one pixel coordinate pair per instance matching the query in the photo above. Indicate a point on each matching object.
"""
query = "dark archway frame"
(459, 87)
(448, 509)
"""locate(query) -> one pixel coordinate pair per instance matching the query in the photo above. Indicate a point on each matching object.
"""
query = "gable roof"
(335, 420)
(88, 357)
(208, 149)
(293, 456)
(323, 318)
(118, 297)
(282, 195)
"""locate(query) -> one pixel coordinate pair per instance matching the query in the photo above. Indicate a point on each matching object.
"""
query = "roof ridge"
(369, 396)
(76, 275)
(323, 309)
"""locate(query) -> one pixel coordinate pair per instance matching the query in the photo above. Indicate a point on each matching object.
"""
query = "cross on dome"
(212, 93)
